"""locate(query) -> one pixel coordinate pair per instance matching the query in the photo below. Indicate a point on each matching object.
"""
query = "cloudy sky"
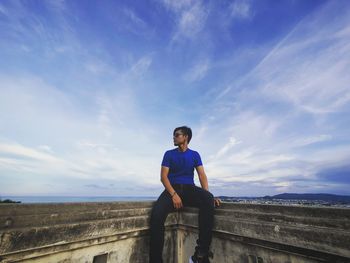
(90, 92)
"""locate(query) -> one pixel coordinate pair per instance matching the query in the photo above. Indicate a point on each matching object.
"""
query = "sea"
(73, 199)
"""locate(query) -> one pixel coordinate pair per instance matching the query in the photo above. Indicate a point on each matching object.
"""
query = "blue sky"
(90, 92)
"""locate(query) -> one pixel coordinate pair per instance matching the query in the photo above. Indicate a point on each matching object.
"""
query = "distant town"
(292, 199)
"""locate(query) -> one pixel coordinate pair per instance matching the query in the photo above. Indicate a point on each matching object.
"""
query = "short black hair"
(186, 131)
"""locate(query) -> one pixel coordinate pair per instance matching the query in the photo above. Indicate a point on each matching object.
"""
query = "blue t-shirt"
(181, 165)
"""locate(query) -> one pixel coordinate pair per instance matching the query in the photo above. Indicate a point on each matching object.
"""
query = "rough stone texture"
(243, 233)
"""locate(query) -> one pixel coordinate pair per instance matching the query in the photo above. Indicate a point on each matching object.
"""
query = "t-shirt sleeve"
(166, 159)
(197, 160)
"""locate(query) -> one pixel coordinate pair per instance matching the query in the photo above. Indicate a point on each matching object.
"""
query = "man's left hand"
(217, 201)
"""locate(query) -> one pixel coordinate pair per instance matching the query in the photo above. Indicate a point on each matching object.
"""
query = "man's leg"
(160, 210)
(204, 200)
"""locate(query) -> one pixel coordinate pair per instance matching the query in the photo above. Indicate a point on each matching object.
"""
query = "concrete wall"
(118, 232)
(272, 233)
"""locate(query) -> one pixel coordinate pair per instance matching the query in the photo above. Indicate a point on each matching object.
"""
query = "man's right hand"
(177, 201)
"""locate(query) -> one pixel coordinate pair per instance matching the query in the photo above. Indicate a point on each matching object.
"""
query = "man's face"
(179, 138)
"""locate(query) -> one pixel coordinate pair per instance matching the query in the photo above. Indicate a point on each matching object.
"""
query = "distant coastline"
(8, 201)
(73, 199)
(294, 199)
(284, 199)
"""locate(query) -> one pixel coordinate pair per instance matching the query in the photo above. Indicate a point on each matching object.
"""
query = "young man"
(177, 172)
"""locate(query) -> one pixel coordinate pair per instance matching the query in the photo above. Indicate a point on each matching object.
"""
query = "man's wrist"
(173, 194)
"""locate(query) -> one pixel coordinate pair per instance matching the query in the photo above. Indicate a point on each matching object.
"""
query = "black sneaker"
(196, 250)
(200, 257)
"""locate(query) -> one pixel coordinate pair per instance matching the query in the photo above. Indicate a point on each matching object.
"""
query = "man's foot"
(200, 257)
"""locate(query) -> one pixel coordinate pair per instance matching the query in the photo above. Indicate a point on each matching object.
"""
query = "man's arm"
(204, 182)
(164, 171)
(202, 177)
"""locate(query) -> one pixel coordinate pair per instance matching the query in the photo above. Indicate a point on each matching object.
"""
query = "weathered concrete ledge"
(119, 232)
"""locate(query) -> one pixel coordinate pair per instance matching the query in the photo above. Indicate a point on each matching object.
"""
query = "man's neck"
(182, 147)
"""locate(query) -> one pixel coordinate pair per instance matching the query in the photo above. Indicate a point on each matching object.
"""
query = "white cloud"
(299, 142)
(58, 6)
(46, 148)
(134, 18)
(198, 71)
(22, 27)
(241, 9)
(104, 115)
(132, 22)
(21, 151)
(232, 142)
(3, 10)
(191, 17)
(58, 135)
(191, 21)
(177, 6)
(141, 66)
(95, 66)
(86, 143)
(19, 158)
(309, 68)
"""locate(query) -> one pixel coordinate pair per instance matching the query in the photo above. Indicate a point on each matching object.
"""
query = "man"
(177, 172)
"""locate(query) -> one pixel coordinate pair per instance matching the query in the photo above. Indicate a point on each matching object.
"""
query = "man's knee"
(155, 215)
(209, 197)
(158, 215)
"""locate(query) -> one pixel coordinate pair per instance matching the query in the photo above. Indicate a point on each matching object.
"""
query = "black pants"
(191, 195)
